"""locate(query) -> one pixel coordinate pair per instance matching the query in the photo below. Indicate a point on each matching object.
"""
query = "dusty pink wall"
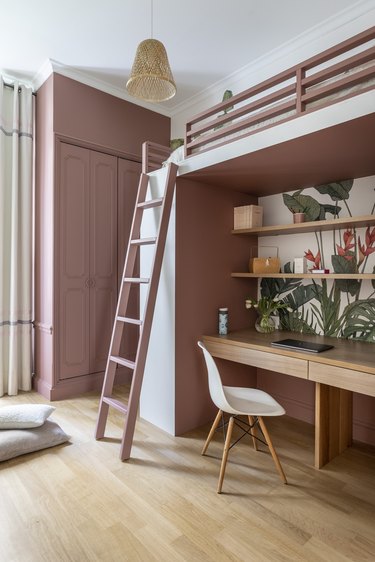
(296, 395)
(206, 254)
(84, 113)
(81, 114)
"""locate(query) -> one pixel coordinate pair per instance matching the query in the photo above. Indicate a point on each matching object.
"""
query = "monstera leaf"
(341, 265)
(298, 203)
(338, 191)
(358, 320)
(294, 322)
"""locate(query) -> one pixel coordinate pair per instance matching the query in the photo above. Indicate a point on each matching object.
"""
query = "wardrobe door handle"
(87, 283)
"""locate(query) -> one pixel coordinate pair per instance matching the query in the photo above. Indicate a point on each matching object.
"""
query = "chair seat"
(251, 402)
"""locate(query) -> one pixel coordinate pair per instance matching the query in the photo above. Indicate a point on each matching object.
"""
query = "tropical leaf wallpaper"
(337, 308)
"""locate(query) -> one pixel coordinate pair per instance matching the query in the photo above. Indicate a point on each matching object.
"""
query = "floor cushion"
(15, 442)
(23, 416)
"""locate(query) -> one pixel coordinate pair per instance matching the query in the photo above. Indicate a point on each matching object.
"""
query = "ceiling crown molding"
(335, 29)
(43, 73)
(52, 65)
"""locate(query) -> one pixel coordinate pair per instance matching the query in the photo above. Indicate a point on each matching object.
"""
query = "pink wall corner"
(44, 201)
(44, 177)
(87, 114)
(206, 254)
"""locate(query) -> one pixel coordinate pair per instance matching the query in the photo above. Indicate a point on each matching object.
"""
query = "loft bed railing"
(316, 83)
(153, 156)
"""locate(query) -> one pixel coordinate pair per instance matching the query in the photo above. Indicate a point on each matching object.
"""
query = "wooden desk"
(348, 367)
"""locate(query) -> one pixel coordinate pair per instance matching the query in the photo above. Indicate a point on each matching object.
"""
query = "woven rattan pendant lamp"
(151, 77)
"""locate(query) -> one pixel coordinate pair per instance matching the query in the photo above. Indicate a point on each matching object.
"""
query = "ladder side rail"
(148, 315)
(122, 303)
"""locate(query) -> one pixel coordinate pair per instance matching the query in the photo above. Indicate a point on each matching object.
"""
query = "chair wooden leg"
(272, 450)
(253, 432)
(225, 454)
(212, 431)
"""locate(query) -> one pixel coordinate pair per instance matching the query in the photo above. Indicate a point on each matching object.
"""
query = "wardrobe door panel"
(128, 180)
(103, 255)
(73, 340)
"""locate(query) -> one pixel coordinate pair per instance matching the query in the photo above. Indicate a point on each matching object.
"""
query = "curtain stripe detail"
(15, 132)
(14, 322)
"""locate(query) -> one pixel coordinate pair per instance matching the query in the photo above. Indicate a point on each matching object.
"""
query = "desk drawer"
(348, 379)
(262, 359)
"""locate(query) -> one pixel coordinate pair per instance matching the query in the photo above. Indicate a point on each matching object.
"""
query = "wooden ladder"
(135, 242)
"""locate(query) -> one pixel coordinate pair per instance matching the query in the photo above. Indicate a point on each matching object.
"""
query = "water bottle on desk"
(223, 321)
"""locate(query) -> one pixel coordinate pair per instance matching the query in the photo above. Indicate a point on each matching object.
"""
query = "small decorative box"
(248, 216)
(266, 265)
(300, 265)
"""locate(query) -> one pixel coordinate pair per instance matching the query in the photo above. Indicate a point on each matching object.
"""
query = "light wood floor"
(79, 502)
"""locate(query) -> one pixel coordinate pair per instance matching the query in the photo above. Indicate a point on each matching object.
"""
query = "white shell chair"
(237, 401)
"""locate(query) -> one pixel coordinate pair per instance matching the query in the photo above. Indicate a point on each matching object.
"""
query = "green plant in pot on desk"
(266, 308)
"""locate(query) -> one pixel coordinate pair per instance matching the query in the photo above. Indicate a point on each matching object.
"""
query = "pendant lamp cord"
(152, 18)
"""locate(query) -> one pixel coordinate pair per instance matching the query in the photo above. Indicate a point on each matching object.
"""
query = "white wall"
(335, 30)
(157, 403)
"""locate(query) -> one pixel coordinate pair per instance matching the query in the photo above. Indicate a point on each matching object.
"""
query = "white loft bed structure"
(309, 125)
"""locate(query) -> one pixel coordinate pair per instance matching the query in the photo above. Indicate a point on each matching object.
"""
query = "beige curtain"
(16, 173)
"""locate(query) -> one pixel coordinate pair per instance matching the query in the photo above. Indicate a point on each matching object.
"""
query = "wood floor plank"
(78, 502)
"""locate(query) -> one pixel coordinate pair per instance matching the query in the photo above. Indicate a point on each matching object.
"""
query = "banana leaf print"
(327, 315)
(298, 203)
(275, 287)
(338, 191)
(342, 265)
(332, 209)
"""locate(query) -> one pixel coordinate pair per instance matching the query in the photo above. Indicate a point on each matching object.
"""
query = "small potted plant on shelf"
(266, 307)
(303, 207)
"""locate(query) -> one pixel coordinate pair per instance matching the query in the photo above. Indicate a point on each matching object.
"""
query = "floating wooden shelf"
(306, 275)
(312, 226)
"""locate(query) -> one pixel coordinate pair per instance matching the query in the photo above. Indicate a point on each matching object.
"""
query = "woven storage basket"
(264, 265)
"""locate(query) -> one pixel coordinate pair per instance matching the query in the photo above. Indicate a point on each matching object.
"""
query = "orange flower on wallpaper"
(367, 248)
(316, 260)
(348, 245)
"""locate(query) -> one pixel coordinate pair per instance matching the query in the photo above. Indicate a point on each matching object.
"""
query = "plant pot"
(265, 324)
(299, 217)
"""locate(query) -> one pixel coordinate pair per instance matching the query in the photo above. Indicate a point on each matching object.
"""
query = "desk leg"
(333, 422)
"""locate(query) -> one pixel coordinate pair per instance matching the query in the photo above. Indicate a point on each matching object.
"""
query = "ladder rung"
(143, 241)
(151, 203)
(116, 404)
(122, 361)
(128, 320)
(136, 280)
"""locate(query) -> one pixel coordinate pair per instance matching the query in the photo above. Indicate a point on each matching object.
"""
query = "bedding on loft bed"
(347, 78)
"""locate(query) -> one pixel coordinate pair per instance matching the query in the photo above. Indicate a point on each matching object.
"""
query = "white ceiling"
(206, 40)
